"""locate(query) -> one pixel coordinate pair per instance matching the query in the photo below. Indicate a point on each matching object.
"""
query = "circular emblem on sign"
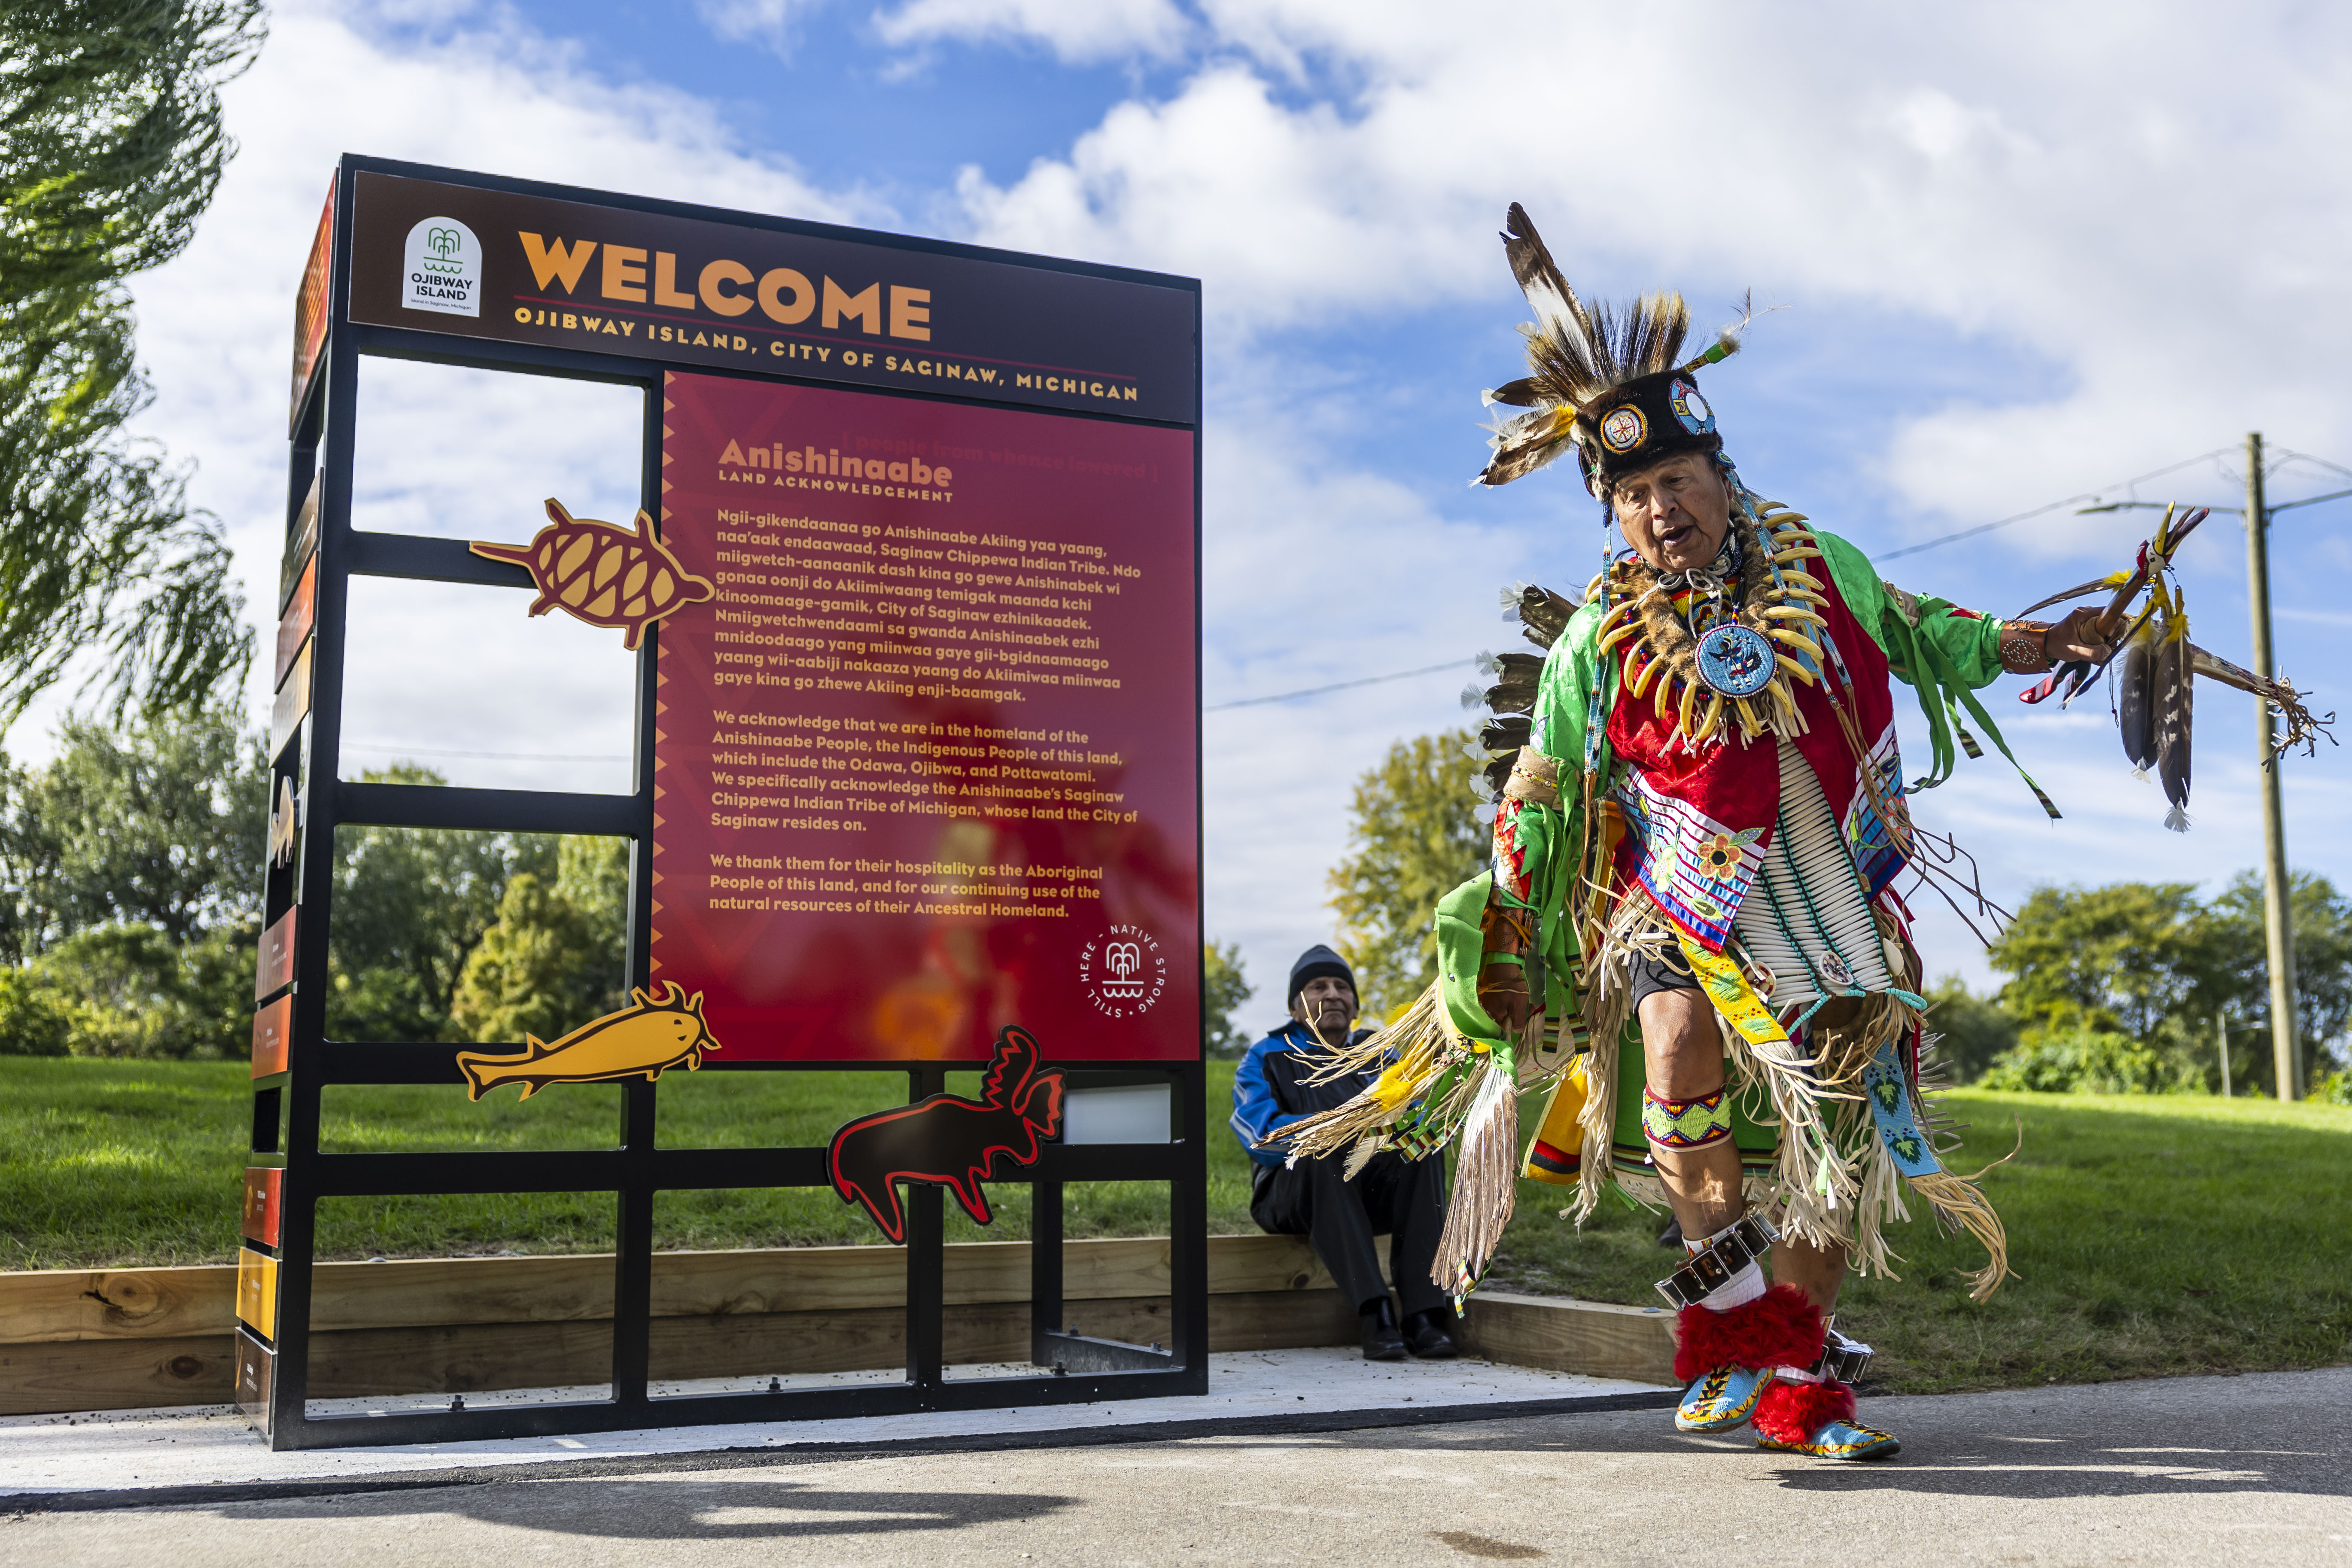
(1735, 660)
(1623, 428)
(1123, 972)
(1692, 409)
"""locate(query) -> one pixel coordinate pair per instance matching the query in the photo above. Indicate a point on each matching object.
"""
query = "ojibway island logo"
(1124, 971)
(442, 263)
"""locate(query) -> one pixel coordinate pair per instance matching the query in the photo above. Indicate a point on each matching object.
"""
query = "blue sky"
(2024, 254)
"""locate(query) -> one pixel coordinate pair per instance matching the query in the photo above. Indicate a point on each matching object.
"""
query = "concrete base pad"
(139, 1456)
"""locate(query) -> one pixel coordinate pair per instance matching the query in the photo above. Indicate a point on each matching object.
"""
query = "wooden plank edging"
(124, 1339)
(1598, 1339)
(38, 1306)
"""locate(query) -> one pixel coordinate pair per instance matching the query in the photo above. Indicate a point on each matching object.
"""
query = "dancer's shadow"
(2108, 1448)
(622, 1510)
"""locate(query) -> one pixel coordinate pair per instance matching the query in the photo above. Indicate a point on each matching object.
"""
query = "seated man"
(1405, 1198)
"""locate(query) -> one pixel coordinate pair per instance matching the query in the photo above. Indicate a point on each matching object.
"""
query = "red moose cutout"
(948, 1140)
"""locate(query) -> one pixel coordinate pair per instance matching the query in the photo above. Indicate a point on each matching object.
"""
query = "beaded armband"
(1534, 778)
(2021, 647)
(1686, 1123)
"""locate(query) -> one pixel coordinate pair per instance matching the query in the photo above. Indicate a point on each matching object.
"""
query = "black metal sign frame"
(273, 1368)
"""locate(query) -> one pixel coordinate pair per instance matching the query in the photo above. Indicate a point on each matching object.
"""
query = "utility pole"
(2285, 1051)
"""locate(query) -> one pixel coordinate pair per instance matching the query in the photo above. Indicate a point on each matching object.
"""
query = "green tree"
(111, 146)
(1413, 837)
(2109, 985)
(132, 865)
(1974, 1029)
(411, 906)
(128, 990)
(1223, 989)
(2121, 985)
(2322, 920)
(160, 824)
(555, 959)
(2125, 957)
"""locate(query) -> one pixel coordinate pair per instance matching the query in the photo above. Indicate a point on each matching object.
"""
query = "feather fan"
(2174, 676)
(2134, 712)
(1514, 692)
(1506, 734)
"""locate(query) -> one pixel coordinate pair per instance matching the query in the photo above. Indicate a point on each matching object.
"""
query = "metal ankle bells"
(1710, 1270)
(1843, 1360)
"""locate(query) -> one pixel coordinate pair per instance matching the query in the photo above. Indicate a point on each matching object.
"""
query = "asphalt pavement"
(2190, 1472)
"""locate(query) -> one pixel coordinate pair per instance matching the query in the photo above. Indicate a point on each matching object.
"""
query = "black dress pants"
(1405, 1198)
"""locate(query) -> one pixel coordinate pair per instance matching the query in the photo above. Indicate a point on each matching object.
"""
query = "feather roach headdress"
(1611, 386)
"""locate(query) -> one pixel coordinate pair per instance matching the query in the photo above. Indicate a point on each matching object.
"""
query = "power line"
(1338, 686)
(2054, 506)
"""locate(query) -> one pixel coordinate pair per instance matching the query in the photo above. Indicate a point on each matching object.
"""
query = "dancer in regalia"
(1689, 927)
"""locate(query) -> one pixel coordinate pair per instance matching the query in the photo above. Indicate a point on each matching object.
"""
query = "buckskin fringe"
(1486, 1184)
(1421, 1099)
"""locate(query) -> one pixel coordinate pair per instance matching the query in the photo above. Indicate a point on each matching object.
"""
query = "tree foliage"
(1974, 1031)
(412, 904)
(111, 146)
(2120, 986)
(1224, 990)
(132, 865)
(556, 958)
(160, 823)
(1413, 837)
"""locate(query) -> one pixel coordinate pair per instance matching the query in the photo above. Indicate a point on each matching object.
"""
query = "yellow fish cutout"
(642, 1040)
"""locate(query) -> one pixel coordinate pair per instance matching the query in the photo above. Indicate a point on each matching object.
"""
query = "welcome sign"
(803, 299)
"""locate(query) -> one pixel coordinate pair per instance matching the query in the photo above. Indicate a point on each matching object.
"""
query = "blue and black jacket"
(1270, 1093)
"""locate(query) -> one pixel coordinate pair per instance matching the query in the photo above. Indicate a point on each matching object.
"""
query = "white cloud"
(445, 451)
(2088, 191)
(769, 21)
(1079, 31)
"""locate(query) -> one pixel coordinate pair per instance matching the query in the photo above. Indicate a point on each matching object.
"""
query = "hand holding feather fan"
(2155, 679)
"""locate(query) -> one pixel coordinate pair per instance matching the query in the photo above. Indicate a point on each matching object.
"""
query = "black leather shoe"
(1381, 1341)
(1430, 1335)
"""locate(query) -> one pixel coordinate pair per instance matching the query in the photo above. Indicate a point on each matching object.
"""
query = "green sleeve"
(1462, 956)
(1546, 839)
(1966, 646)
(1563, 698)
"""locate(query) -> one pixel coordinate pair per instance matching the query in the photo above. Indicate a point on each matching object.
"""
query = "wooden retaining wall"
(120, 1338)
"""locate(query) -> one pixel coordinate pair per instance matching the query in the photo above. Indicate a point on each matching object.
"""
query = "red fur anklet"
(1781, 1327)
(1793, 1412)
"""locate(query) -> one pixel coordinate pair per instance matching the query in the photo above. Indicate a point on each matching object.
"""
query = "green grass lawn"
(2150, 1236)
(124, 1163)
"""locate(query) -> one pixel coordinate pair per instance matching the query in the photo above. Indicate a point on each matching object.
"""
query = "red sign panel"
(264, 1186)
(273, 968)
(273, 1031)
(927, 766)
(294, 626)
(310, 306)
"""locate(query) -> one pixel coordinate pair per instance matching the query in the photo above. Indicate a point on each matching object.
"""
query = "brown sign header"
(484, 263)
